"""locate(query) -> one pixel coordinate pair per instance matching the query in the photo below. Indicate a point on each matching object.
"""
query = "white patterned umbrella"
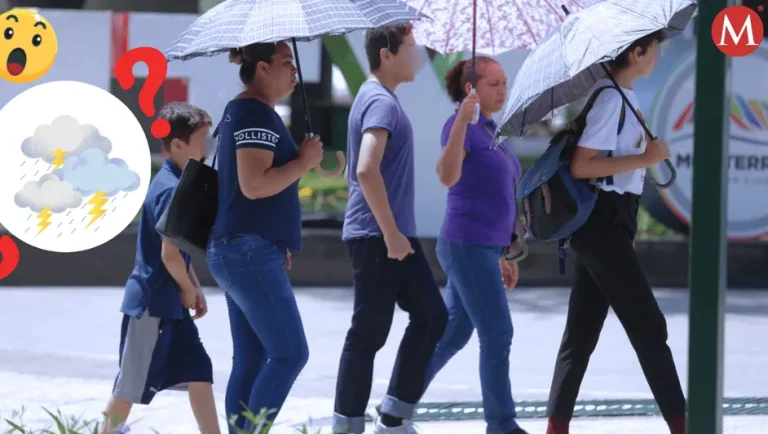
(572, 59)
(569, 61)
(237, 23)
(502, 25)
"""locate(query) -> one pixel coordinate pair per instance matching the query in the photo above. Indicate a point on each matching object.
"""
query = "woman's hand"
(311, 152)
(510, 273)
(467, 109)
(288, 263)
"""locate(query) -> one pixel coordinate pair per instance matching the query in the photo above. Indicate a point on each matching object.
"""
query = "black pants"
(380, 284)
(608, 274)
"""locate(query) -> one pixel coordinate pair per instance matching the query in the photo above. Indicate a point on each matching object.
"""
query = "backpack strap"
(563, 243)
(609, 179)
(581, 119)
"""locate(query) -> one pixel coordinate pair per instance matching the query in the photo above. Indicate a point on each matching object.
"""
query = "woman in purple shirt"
(479, 222)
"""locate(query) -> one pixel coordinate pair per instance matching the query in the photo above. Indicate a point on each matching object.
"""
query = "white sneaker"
(406, 428)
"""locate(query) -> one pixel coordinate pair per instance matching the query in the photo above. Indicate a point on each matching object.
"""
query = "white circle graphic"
(75, 169)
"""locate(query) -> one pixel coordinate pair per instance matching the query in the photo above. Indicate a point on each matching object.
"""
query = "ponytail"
(454, 83)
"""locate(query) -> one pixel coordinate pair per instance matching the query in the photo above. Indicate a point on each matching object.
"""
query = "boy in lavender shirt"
(390, 267)
(479, 223)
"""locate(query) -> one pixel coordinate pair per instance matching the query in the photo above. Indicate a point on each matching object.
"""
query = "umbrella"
(498, 26)
(237, 23)
(455, 25)
(564, 67)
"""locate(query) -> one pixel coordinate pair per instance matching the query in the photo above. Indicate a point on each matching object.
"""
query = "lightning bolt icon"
(98, 200)
(59, 160)
(44, 215)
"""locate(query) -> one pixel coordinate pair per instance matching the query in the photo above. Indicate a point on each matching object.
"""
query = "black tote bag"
(188, 220)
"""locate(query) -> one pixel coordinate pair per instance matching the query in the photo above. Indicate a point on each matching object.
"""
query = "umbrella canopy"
(501, 26)
(237, 23)
(569, 61)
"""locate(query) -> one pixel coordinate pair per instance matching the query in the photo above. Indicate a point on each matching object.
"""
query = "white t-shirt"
(600, 133)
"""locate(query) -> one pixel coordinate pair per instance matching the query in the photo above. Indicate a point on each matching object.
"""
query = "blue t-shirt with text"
(250, 123)
(376, 107)
(150, 286)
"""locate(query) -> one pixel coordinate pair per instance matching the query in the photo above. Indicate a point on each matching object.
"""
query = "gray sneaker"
(406, 428)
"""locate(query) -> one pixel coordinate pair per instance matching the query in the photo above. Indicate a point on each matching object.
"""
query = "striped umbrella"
(237, 23)
(572, 59)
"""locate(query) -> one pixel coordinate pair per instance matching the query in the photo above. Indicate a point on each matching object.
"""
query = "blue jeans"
(380, 284)
(476, 299)
(270, 348)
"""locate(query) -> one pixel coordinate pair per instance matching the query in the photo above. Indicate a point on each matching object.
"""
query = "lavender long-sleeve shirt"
(481, 207)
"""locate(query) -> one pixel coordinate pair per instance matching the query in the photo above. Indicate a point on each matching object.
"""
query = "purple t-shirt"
(481, 206)
(376, 107)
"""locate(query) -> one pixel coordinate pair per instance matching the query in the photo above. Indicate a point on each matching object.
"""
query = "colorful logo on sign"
(746, 114)
(673, 119)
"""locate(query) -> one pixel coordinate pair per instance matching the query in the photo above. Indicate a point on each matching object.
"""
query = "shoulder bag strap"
(215, 135)
(518, 249)
(609, 179)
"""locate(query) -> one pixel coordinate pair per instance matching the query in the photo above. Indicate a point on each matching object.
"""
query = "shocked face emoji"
(28, 46)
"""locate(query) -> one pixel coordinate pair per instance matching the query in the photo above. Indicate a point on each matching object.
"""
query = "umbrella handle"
(342, 164)
(670, 166)
(476, 115)
(672, 176)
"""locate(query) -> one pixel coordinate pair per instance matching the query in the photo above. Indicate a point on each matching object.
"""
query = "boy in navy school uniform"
(159, 343)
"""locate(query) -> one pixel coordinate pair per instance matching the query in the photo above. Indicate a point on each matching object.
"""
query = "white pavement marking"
(58, 349)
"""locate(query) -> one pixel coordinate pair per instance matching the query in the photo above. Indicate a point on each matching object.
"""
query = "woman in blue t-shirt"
(257, 226)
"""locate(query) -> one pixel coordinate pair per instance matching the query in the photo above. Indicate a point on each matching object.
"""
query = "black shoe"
(518, 431)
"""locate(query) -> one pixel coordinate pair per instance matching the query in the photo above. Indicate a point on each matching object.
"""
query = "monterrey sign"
(673, 119)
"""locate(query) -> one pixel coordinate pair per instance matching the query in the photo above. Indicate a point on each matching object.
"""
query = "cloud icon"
(49, 191)
(64, 136)
(92, 171)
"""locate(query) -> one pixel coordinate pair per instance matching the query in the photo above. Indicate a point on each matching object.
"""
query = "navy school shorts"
(159, 354)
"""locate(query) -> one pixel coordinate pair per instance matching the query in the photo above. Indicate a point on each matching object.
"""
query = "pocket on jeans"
(368, 253)
(217, 267)
(227, 247)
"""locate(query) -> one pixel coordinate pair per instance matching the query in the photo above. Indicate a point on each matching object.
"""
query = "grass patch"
(70, 424)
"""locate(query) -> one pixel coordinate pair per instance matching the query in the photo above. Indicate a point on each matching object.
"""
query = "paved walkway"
(63, 355)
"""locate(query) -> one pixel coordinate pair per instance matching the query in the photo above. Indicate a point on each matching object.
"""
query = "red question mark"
(158, 68)
(9, 252)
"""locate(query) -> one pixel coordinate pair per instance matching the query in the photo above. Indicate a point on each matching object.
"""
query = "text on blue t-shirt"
(250, 123)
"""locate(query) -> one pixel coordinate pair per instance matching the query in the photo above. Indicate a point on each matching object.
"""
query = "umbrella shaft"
(473, 76)
(303, 90)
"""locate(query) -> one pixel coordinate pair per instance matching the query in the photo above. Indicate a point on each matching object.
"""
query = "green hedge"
(329, 195)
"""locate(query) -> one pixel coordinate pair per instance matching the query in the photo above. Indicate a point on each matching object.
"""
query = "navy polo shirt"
(150, 285)
(250, 123)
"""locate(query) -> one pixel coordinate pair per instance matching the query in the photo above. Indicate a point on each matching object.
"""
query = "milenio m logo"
(738, 30)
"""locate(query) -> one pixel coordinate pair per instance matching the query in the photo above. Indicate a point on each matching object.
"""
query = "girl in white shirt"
(608, 273)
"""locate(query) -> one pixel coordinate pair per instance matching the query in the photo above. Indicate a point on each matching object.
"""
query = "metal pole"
(708, 245)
